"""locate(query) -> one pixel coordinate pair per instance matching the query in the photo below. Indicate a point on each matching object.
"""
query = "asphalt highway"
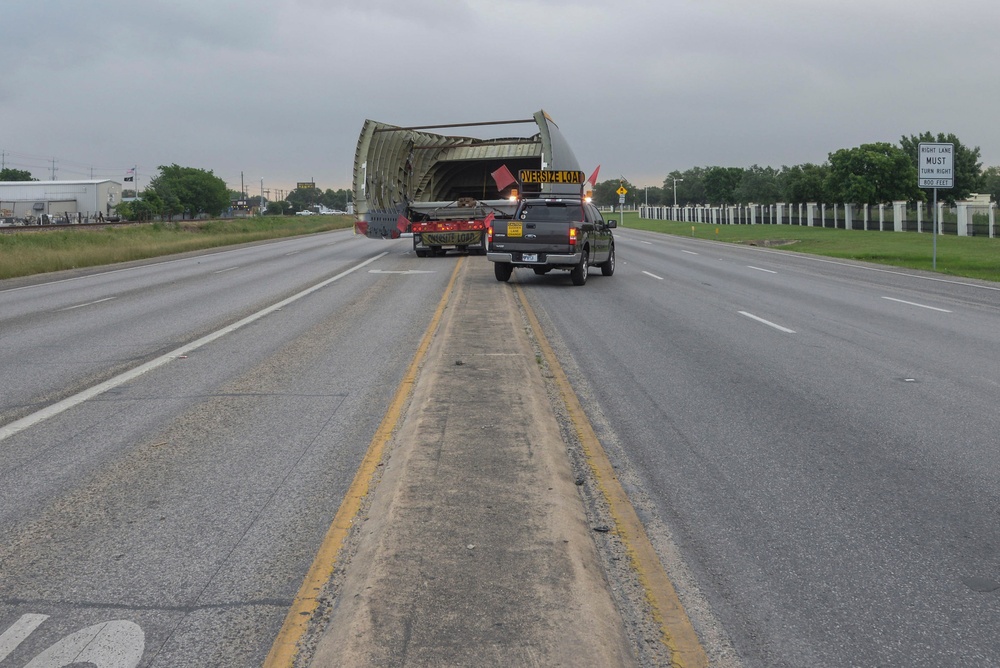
(175, 515)
(811, 444)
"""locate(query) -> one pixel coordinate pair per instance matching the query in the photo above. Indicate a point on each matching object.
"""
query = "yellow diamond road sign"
(621, 190)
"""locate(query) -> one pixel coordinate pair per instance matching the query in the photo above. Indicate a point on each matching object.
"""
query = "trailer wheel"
(579, 272)
(502, 270)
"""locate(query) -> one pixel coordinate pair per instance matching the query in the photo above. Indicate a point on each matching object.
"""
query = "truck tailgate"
(531, 236)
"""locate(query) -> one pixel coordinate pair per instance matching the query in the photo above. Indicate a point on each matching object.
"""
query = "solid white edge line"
(768, 323)
(659, 278)
(932, 308)
(69, 402)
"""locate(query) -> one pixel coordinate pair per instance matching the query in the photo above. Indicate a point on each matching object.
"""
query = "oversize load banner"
(550, 176)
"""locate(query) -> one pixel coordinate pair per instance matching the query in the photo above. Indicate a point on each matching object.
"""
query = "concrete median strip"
(474, 548)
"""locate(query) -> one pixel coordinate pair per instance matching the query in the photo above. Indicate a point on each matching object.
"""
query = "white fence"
(965, 219)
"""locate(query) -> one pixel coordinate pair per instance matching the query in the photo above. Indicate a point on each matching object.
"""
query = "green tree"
(758, 185)
(278, 207)
(334, 199)
(966, 163)
(147, 207)
(804, 183)
(8, 174)
(605, 192)
(872, 174)
(190, 191)
(690, 186)
(303, 198)
(990, 183)
(721, 184)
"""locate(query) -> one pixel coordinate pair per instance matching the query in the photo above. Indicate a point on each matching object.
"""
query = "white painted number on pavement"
(115, 644)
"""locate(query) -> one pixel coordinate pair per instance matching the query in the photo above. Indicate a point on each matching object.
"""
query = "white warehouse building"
(59, 199)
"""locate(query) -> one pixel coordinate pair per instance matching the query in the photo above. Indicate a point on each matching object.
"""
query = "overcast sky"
(279, 89)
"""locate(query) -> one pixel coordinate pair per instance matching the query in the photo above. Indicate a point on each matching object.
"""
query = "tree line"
(873, 173)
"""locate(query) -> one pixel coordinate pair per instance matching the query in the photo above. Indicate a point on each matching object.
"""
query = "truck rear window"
(554, 212)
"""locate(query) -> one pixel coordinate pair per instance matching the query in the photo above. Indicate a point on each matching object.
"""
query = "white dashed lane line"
(932, 308)
(768, 323)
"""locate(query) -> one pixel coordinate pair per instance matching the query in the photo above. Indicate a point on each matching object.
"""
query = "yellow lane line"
(285, 647)
(678, 634)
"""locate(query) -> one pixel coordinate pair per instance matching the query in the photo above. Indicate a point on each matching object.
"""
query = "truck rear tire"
(608, 266)
(579, 272)
(502, 270)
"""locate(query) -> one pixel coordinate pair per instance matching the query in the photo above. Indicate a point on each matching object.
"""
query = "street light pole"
(675, 191)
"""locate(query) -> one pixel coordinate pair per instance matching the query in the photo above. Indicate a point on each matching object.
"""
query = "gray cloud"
(279, 89)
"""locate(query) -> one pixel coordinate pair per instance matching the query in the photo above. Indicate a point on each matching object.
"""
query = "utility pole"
(53, 170)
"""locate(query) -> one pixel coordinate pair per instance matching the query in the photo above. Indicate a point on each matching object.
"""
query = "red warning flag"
(503, 177)
(593, 177)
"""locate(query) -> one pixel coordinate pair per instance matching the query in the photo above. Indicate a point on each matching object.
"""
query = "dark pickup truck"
(566, 233)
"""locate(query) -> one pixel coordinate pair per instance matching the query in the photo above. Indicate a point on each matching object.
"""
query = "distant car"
(305, 212)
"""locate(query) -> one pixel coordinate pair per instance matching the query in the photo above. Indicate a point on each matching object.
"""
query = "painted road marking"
(689, 252)
(759, 269)
(222, 271)
(70, 308)
(15, 635)
(69, 402)
(116, 644)
(932, 308)
(659, 278)
(407, 271)
(768, 323)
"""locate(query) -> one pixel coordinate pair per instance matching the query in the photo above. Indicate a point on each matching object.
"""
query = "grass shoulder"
(970, 257)
(27, 253)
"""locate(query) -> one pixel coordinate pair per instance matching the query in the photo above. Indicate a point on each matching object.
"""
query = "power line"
(37, 163)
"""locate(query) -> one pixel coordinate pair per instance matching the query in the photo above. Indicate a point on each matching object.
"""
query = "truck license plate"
(529, 257)
(514, 229)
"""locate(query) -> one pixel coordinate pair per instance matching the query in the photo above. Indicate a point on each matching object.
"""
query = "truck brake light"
(489, 234)
(572, 236)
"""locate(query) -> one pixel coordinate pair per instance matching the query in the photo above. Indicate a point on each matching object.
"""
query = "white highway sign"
(936, 165)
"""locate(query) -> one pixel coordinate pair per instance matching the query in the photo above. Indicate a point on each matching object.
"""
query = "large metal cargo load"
(445, 189)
